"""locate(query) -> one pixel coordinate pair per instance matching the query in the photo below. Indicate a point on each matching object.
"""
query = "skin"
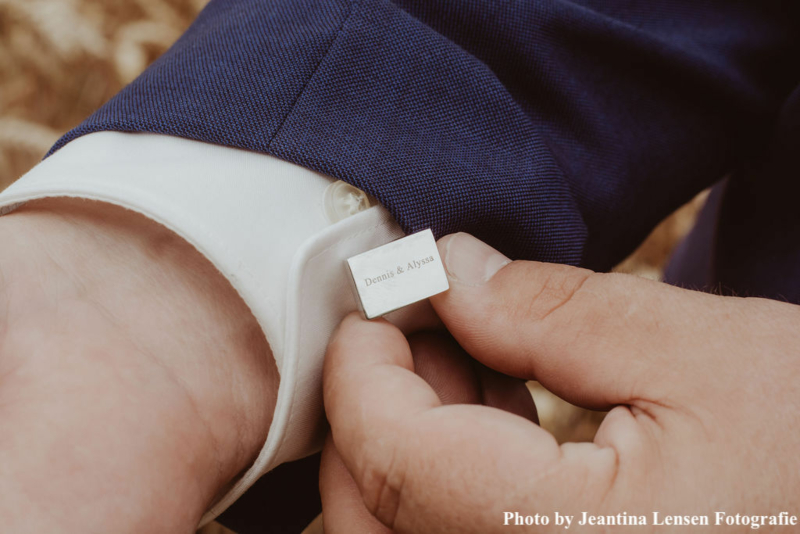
(702, 391)
(135, 385)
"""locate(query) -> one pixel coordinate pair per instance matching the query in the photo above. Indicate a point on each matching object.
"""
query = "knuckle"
(553, 291)
(382, 480)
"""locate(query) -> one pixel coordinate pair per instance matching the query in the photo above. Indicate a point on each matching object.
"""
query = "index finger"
(418, 463)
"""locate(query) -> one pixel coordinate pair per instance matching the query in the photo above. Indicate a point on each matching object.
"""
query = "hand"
(703, 392)
(135, 385)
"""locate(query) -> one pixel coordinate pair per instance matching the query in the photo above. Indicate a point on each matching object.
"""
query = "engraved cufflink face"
(397, 274)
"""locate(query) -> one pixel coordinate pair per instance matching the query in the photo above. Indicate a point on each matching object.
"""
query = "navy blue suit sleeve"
(555, 130)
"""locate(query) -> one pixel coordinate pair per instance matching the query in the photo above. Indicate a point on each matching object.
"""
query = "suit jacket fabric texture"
(555, 130)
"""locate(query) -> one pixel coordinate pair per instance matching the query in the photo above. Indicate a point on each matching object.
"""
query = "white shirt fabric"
(262, 222)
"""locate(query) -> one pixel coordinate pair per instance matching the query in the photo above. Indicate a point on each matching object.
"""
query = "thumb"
(594, 339)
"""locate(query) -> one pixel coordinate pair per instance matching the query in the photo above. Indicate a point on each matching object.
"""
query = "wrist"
(137, 341)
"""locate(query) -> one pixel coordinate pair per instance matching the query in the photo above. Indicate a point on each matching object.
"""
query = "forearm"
(136, 384)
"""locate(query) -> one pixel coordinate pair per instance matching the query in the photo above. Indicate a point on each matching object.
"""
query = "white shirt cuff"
(262, 222)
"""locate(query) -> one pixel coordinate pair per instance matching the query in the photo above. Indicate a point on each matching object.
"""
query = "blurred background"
(61, 59)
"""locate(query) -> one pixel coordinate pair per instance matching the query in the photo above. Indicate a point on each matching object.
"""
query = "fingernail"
(469, 260)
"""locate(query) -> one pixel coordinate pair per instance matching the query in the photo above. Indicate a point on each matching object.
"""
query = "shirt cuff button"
(341, 200)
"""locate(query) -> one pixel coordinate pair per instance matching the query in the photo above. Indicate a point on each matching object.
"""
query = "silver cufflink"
(397, 274)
